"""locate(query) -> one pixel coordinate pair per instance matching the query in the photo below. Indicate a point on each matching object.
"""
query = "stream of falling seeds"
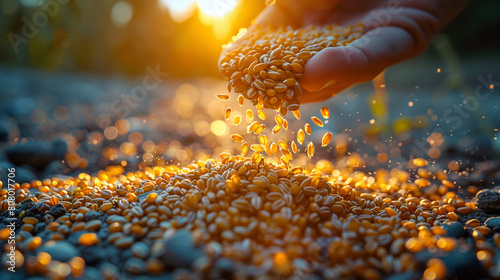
(265, 66)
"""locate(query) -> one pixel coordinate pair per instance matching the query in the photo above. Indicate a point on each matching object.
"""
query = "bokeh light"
(217, 8)
(121, 13)
(179, 10)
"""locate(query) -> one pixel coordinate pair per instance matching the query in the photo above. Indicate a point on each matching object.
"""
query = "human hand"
(396, 30)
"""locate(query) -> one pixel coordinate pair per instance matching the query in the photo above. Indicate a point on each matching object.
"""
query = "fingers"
(278, 15)
(358, 62)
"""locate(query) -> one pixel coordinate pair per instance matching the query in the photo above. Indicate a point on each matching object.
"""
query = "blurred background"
(111, 37)
(86, 84)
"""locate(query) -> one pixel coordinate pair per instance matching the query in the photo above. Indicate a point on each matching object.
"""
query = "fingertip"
(337, 66)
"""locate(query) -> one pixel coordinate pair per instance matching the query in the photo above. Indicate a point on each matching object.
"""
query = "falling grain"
(244, 148)
(326, 139)
(294, 147)
(237, 137)
(222, 97)
(276, 128)
(325, 112)
(301, 136)
(282, 145)
(253, 126)
(263, 140)
(237, 120)
(274, 148)
(278, 119)
(261, 115)
(257, 148)
(250, 114)
(317, 121)
(307, 128)
(296, 113)
(260, 129)
(310, 149)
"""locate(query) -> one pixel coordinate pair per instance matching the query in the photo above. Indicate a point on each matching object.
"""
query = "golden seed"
(237, 120)
(390, 212)
(257, 148)
(301, 136)
(250, 114)
(241, 100)
(483, 230)
(307, 129)
(294, 146)
(261, 115)
(310, 149)
(282, 145)
(237, 137)
(88, 239)
(422, 183)
(446, 243)
(325, 112)
(255, 156)
(448, 184)
(473, 223)
(278, 119)
(287, 154)
(227, 115)
(260, 129)
(420, 162)
(253, 126)
(263, 140)
(276, 129)
(326, 139)
(223, 97)
(296, 113)
(244, 148)
(464, 210)
(285, 124)
(317, 121)
(274, 148)
(284, 160)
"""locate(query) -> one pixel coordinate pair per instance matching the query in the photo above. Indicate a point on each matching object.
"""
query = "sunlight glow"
(216, 8)
(179, 10)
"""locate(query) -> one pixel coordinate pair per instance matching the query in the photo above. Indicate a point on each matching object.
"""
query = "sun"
(216, 8)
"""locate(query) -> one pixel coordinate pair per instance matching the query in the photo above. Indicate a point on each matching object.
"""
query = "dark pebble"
(223, 269)
(34, 153)
(492, 222)
(91, 273)
(39, 227)
(59, 148)
(92, 215)
(59, 250)
(454, 229)
(4, 131)
(135, 266)
(180, 250)
(53, 169)
(463, 265)
(57, 211)
(409, 275)
(460, 264)
(95, 257)
(23, 175)
(488, 201)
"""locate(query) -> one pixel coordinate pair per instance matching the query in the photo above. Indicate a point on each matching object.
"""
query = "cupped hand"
(396, 30)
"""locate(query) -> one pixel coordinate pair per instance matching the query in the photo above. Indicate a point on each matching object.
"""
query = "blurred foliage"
(81, 36)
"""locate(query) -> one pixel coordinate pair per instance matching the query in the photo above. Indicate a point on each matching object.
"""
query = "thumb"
(362, 60)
